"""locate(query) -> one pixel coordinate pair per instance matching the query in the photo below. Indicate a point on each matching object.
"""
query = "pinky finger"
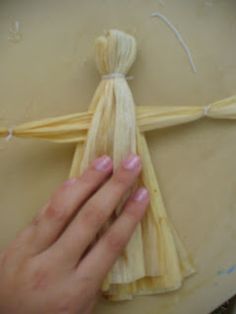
(104, 254)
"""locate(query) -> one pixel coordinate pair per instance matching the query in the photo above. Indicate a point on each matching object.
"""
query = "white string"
(116, 75)
(9, 135)
(113, 75)
(206, 110)
(179, 37)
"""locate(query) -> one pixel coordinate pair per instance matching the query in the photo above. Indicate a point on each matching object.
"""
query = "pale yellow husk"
(155, 260)
(73, 128)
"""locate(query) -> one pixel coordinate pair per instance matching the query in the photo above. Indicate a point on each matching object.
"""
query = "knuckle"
(121, 179)
(132, 212)
(115, 242)
(132, 215)
(55, 212)
(93, 215)
(87, 178)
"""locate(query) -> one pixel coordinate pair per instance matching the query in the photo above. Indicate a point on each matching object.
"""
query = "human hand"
(51, 267)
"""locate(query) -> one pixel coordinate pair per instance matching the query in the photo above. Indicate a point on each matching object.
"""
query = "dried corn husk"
(73, 128)
(155, 260)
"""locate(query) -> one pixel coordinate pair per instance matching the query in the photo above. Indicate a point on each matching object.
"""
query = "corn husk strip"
(167, 266)
(73, 128)
(113, 131)
(66, 129)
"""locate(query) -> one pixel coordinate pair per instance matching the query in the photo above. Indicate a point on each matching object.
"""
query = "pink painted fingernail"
(141, 195)
(131, 162)
(70, 181)
(102, 163)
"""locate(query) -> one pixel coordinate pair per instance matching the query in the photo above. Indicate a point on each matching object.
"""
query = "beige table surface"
(48, 69)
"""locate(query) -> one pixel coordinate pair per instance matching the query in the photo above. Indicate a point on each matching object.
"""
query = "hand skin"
(52, 267)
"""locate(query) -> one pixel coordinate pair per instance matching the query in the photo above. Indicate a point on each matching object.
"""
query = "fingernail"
(141, 195)
(102, 163)
(131, 162)
(70, 182)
